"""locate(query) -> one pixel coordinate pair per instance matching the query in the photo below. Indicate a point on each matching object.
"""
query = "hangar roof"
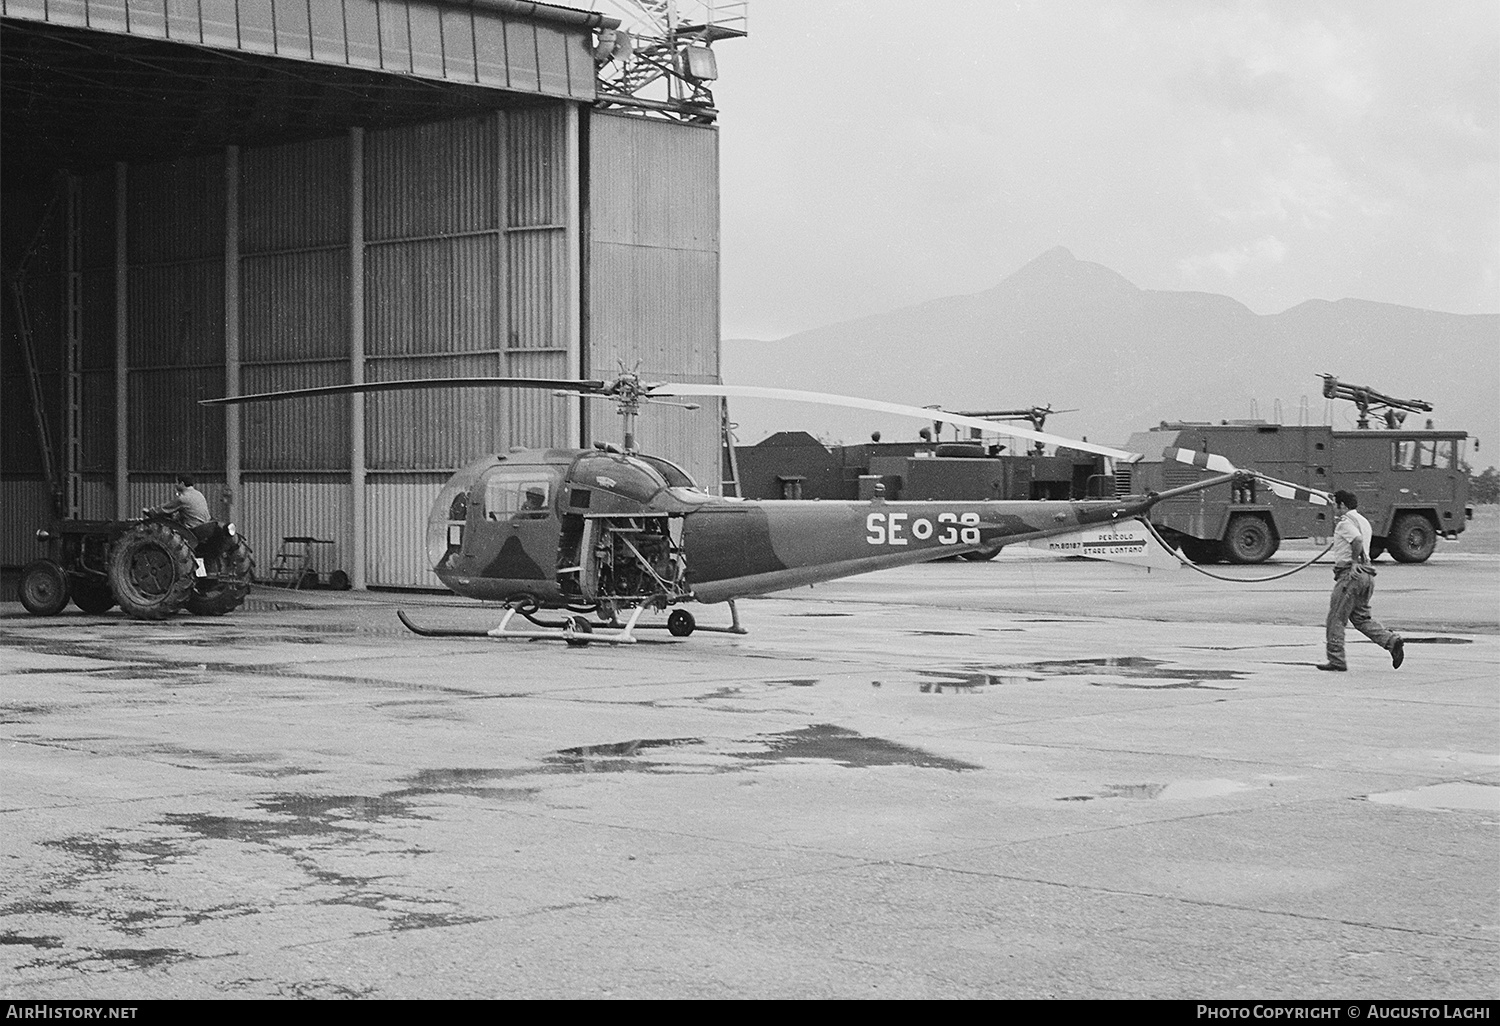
(86, 83)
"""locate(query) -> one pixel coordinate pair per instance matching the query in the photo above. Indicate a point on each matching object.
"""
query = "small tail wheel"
(681, 623)
(577, 625)
(44, 588)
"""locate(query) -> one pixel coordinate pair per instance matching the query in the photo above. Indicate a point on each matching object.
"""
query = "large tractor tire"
(44, 588)
(227, 583)
(1412, 539)
(92, 595)
(152, 571)
(1250, 540)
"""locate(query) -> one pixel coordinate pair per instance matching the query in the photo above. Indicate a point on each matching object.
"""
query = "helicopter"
(615, 532)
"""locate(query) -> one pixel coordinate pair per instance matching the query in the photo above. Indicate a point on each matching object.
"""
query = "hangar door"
(653, 276)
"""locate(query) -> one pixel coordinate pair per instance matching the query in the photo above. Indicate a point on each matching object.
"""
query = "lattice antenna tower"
(660, 62)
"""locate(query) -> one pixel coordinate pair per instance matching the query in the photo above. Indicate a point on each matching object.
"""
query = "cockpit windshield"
(674, 475)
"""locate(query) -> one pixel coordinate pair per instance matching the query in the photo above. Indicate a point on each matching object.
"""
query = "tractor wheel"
(227, 583)
(1200, 550)
(92, 595)
(981, 555)
(151, 571)
(1249, 540)
(44, 588)
(1412, 539)
(681, 623)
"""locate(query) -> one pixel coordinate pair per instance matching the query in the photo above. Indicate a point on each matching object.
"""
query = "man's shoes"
(1331, 666)
(1398, 653)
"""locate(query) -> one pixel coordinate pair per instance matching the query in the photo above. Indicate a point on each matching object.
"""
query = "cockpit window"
(674, 475)
(517, 491)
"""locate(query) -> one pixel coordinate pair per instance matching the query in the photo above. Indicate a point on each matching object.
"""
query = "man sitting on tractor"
(190, 509)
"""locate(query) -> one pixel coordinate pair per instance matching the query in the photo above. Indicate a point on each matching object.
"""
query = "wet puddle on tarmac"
(1467, 795)
(1130, 672)
(846, 748)
(819, 742)
(1177, 790)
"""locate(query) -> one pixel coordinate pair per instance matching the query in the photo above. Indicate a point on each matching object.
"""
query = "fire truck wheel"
(1249, 540)
(152, 571)
(1377, 548)
(1412, 539)
(93, 595)
(44, 588)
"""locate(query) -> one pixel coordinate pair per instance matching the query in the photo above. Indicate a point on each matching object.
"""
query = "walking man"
(1353, 583)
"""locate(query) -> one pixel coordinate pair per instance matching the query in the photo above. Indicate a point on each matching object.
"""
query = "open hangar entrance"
(224, 197)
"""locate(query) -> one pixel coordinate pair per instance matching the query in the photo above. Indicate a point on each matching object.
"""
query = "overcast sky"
(877, 154)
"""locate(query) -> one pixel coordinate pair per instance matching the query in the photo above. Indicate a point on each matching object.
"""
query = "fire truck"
(1412, 484)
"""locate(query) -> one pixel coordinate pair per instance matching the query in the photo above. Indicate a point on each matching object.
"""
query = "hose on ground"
(1232, 580)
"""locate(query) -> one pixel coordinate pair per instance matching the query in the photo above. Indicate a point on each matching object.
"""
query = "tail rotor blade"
(1203, 460)
(1219, 465)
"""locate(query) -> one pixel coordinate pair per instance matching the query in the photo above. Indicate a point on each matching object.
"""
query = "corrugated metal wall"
(433, 292)
(294, 303)
(653, 274)
(465, 275)
(26, 506)
(273, 507)
(44, 238)
(396, 529)
(538, 277)
(24, 497)
(175, 253)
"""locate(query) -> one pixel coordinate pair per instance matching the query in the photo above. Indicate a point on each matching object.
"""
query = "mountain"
(1076, 334)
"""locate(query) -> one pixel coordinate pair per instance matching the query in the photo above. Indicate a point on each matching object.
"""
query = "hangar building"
(211, 197)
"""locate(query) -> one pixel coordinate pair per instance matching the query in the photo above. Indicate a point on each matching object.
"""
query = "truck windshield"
(1423, 454)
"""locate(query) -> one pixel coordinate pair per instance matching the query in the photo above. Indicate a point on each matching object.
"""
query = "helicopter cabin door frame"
(520, 500)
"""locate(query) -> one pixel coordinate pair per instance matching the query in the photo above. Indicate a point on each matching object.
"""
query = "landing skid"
(577, 631)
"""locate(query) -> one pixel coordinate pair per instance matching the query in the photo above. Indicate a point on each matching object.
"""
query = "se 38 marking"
(903, 528)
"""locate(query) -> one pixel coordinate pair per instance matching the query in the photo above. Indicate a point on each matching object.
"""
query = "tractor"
(152, 567)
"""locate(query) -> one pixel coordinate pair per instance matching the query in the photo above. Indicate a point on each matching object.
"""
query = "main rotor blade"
(551, 384)
(1219, 465)
(895, 409)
